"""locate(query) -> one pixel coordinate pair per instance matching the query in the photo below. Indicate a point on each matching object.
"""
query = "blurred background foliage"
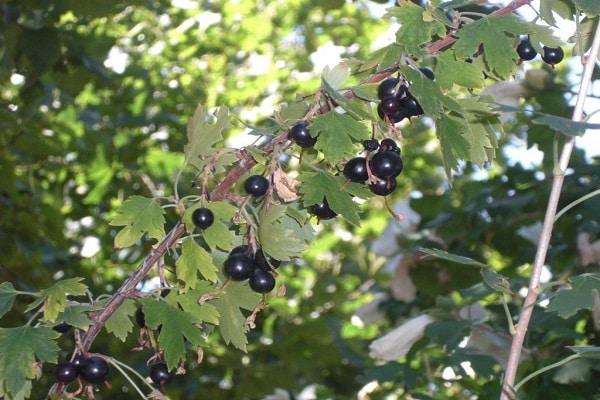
(95, 98)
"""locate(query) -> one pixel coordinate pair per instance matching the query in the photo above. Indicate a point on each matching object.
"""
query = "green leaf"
(590, 7)
(496, 281)
(177, 325)
(336, 135)
(450, 71)
(202, 135)
(337, 75)
(367, 91)
(7, 297)
(354, 107)
(280, 236)
(575, 371)
(586, 351)
(218, 234)
(119, 324)
(454, 145)
(416, 26)
(138, 215)
(20, 349)
(76, 315)
(429, 94)
(577, 297)
(194, 259)
(319, 185)
(564, 8)
(55, 297)
(188, 302)
(232, 322)
(444, 255)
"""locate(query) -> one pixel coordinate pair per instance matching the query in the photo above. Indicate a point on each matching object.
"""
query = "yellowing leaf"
(138, 215)
(194, 259)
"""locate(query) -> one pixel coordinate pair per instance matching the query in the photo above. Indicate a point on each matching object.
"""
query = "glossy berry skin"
(428, 72)
(260, 260)
(355, 170)
(95, 370)
(238, 267)
(65, 372)
(261, 281)
(388, 144)
(243, 249)
(322, 210)
(553, 55)
(203, 217)
(395, 118)
(387, 88)
(525, 50)
(159, 374)
(301, 135)
(140, 318)
(62, 327)
(410, 106)
(256, 185)
(390, 105)
(386, 164)
(383, 187)
(370, 144)
(79, 361)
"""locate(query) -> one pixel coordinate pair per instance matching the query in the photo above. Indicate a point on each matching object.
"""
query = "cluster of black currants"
(93, 369)
(242, 264)
(551, 56)
(397, 102)
(385, 164)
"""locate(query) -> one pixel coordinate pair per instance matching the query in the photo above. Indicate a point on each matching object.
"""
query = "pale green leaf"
(139, 215)
(194, 259)
(444, 255)
(232, 322)
(415, 30)
(55, 297)
(356, 108)
(336, 134)
(203, 134)
(450, 71)
(188, 302)
(76, 316)
(119, 323)
(280, 236)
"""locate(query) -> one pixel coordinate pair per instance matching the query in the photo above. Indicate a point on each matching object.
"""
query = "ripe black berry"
(260, 260)
(355, 170)
(62, 327)
(553, 55)
(428, 72)
(238, 267)
(79, 361)
(140, 318)
(410, 106)
(390, 105)
(370, 144)
(262, 281)
(394, 118)
(203, 218)
(95, 370)
(159, 374)
(322, 210)
(388, 144)
(65, 372)
(301, 135)
(385, 164)
(256, 185)
(383, 187)
(243, 249)
(387, 88)
(525, 50)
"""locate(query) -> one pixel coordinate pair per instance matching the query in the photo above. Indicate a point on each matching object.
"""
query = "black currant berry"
(428, 72)
(387, 88)
(355, 169)
(386, 164)
(140, 318)
(370, 144)
(79, 361)
(260, 260)
(525, 50)
(388, 144)
(95, 370)
(390, 105)
(62, 327)
(256, 185)
(203, 217)
(301, 135)
(261, 281)
(383, 187)
(553, 55)
(322, 210)
(238, 267)
(243, 249)
(410, 106)
(65, 372)
(395, 118)
(160, 374)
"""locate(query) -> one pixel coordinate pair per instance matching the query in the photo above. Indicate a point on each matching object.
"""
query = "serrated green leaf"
(367, 91)
(54, 298)
(280, 236)
(232, 321)
(337, 75)
(390, 56)
(454, 145)
(7, 297)
(319, 185)
(590, 7)
(450, 71)
(336, 135)
(20, 349)
(564, 8)
(202, 135)
(579, 296)
(189, 303)
(429, 94)
(292, 112)
(356, 108)
(76, 316)
(194, 259)
(444, 255)
(218, 234)
(139, 215)
(415, 30)
(177, 325)
(119, 323)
